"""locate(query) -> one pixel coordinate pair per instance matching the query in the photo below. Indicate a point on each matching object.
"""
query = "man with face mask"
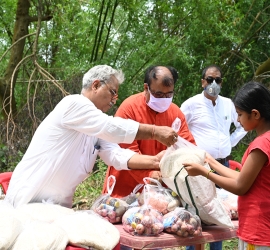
(152, 106)
(209, 117)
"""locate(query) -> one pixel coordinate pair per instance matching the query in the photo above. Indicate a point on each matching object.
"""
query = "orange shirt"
(135, 108)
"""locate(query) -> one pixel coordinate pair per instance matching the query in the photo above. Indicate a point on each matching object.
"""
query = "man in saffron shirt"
(152, 106)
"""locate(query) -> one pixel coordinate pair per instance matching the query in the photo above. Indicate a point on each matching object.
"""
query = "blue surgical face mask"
(160, 105)
(213, 89)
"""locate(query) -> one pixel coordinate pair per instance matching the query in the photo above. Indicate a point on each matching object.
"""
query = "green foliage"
(8, 162)
(91, 187)
(131, 35)
(239, 150)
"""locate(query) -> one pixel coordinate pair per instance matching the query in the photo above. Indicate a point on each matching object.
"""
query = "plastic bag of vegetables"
(182, 223)
(160, 198)
(109, 207)
(143, 220)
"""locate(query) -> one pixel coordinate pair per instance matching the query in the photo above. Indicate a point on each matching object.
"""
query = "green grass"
(90, 189)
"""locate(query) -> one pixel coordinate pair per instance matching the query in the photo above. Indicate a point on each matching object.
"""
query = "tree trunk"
(7, 98)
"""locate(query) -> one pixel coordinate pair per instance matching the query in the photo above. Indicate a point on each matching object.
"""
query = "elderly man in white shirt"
(64, 147)
(209, 117)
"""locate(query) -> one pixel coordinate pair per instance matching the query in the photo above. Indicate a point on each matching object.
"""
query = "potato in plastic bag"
(133, 196)
(109, 207)
(143, 220)
(182, 223)
(160, 198)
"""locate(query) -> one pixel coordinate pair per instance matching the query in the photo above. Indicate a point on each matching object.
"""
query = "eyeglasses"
(113, 93)
(159, 94)
(210, 79)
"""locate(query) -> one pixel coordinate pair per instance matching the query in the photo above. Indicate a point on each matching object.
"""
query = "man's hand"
(165, 135)
(160, 154)
(156, 175)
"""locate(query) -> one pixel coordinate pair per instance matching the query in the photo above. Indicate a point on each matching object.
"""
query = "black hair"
(253, 95)
(209, 67)
(151, 73)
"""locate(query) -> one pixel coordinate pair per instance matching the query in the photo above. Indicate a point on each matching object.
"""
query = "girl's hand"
(194, 169)
(208, 158)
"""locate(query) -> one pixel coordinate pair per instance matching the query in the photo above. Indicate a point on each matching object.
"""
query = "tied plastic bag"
(229, 201)
(108, 207)
(197, 193)
(143, 220)
(182, 223)
(160, 198)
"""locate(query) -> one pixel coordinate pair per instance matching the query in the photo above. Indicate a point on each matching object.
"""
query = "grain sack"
(198, 194)
(41, 235)
(43, 211)
(10, 226)
(88, 229)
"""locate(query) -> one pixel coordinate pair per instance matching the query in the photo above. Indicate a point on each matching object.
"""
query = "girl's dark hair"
(253, 95)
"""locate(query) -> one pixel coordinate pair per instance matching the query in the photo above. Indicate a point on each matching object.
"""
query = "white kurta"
(210, 125)
(63, 151)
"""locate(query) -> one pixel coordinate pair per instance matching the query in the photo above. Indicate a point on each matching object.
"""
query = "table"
(165, 240)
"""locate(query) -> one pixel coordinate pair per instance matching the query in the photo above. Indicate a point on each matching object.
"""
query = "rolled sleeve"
(113, 155)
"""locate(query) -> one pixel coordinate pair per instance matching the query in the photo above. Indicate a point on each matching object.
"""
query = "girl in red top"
(252, 184)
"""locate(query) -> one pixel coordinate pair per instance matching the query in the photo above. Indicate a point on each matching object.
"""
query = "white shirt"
(210, 125)
(63, 151)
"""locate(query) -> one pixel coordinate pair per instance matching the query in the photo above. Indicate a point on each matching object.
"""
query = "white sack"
(197, 192)
(10, 226)
(43, 211)
(41, 235)
(89, 229)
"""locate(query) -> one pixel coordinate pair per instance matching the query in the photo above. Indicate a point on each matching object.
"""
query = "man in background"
(209, 117)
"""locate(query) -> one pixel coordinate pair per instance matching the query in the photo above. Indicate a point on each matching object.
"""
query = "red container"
(4, 180)
(235, 165)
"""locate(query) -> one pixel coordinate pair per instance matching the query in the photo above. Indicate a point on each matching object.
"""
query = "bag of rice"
(88, 229)
(45, 212)
(10, 226)
(41, 235)
(197, 193)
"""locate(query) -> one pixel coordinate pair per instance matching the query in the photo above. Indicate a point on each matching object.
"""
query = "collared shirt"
(63, 151)
(210, 125)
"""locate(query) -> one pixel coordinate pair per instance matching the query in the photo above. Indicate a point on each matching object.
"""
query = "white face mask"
(213, 89)
(160, 105)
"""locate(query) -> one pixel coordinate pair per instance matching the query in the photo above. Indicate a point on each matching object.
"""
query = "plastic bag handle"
(146, 194)
(137, 188)
(145, 179)
(110, 188)
(176, 124)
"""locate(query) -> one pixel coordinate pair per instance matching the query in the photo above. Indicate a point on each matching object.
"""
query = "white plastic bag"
(159, 197)
(109, 207)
